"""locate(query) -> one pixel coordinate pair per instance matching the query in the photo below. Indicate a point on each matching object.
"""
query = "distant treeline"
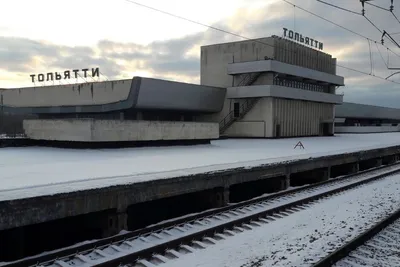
(11, 124)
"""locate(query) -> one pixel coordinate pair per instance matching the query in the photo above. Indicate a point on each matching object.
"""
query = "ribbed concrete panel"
(300, 118)
(282, 92)
(284, 68)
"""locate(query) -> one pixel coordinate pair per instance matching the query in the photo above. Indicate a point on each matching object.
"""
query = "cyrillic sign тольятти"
(67, 75)
(304, 40)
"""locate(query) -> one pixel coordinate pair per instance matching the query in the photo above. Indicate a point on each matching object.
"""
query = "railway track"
(378, 246)
(157, 244)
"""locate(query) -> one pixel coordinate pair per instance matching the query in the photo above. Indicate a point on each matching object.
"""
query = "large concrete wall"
(215, 59)
(290, 52)
(89, 130)
(258, 122)
(138, 93)
(296, 118)
(301, 118)
(67, 95)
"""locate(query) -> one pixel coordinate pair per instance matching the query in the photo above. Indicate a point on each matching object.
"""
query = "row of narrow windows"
(301, 85)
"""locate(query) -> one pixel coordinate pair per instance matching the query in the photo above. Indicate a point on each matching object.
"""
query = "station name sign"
(301, 39)
(67, 74)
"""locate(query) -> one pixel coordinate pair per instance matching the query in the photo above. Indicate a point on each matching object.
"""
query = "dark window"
(236, 109)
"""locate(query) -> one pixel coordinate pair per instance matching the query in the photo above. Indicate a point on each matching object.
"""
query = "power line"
(394, 15)
(386, 9)
(342, 27)
(257, 41)
(386, 64)
(373, 24)
(383, 32)
(338, 7)
(348, 10)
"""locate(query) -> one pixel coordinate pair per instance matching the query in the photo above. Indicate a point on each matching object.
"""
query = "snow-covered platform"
(70, 182)
(36, 171)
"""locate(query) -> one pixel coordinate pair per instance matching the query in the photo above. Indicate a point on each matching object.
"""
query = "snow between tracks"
(303, 237)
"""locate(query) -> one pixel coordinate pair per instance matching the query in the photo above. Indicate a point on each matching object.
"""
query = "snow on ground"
(382, 250)
(301, 238)
(35, 171)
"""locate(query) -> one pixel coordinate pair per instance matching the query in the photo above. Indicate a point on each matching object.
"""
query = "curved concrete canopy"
(97, 97)
(361, 111)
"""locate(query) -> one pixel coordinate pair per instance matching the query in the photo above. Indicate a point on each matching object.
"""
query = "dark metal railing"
(243, 108)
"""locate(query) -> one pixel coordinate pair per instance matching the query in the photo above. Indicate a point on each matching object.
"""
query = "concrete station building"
(269, 87)
(359, 118)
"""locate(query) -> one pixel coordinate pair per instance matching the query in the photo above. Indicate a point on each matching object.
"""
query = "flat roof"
(361, 111)
(96, 97)
(33, 171)
(263, 39)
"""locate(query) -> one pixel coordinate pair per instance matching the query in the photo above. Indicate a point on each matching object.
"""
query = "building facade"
(137, 109)
(359, 118)
(275, 88)
(267, 88)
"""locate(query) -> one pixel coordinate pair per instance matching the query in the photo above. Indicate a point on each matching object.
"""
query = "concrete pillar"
(326, 174)
(115, 223)
(390, 159)
(286, 182)
(219, 197)
(12, 244)
(355, 168)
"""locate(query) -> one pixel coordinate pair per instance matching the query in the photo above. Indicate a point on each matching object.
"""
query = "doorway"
(236, 109)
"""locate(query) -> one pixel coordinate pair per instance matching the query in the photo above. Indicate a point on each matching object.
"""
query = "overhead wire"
(342, 27)
(351, 11)
(264, 43)
(394, 15)
(386, 9)
(370, 56)
(373, 24)
(339, 7)
(386, 64)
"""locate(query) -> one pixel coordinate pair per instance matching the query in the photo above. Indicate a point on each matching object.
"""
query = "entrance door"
(326, 129)
(278, 130)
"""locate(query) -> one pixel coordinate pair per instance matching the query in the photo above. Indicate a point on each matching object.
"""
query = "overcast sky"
(124, 39)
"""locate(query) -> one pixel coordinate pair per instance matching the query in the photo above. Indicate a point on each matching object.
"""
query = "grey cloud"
(169, 57)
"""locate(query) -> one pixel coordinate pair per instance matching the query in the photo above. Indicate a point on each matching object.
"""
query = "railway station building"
(270, 87)
(359, 118)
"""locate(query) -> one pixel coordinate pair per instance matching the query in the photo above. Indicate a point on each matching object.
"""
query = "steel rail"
(84, 248)
(358, 241)
(160, 249)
